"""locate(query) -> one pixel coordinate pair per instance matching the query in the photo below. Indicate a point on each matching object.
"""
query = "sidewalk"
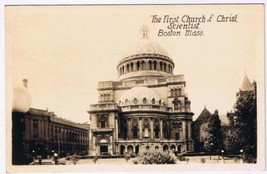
(44, 162)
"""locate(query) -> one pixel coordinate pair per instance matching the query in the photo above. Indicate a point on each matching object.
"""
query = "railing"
(143, 107)
(105, 106)
(130, 83)
(145, 55)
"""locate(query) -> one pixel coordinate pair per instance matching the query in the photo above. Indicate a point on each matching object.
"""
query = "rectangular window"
(35, 124)
(102, 124)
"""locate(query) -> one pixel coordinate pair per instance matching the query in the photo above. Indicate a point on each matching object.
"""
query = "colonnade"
(145, 65)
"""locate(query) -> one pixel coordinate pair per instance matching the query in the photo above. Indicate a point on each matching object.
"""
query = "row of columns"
(186, 127)
(140, 126)
(145, 65)
(65, 135)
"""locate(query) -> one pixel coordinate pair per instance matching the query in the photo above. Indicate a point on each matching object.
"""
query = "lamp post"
(222, 156)
(241, 156)
(33, 155)
(55, 157)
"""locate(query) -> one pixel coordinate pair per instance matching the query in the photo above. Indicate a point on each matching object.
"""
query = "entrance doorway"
(122, 149)
(137, 149)
(103, 148)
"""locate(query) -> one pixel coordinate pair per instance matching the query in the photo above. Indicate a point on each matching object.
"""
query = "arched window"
(144, 101)
(164, 67)
(102, 122)
(153, 101)
(172, 93)
(177, 136)
(135, 132)
(159, 102)
(138, 65)
(155, 65)
(135, 101)
(150, 65)
(156, 130)
(160, 66)
(175, 92)
(122, 69)
(127, 68)
(126, 101)
(132, 65)
(179, 92)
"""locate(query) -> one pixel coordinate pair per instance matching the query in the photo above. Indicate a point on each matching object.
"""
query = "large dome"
(146, 46)
(137, 95)
(21, 99)
(146, 59)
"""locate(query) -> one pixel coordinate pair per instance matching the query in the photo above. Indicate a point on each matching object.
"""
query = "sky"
(64, 51)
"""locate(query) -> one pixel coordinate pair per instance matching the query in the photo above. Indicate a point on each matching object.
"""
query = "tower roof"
(205, 112)
(246, 85)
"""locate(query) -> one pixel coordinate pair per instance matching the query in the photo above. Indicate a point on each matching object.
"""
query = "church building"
(146, 109)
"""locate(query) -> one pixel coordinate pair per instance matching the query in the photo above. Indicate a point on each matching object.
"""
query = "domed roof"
(146, 46)
(138, 94)
(22, 99)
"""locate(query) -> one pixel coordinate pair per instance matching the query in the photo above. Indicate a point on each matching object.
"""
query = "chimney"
(25, 83)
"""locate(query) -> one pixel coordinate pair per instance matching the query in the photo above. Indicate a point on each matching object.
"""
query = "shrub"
(61, 161)
(135, 161)
(202, 160)
(95, 159)
(156, 158)
(127, 157)
(186, 160)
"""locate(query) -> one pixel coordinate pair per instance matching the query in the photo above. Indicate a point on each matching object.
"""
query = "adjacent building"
(40, 133)
(147, 108)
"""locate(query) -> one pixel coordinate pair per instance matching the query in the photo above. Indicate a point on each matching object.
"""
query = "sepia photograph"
(109, 88)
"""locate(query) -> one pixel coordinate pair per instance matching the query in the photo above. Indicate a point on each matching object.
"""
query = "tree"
(212, 139)
(243, 126)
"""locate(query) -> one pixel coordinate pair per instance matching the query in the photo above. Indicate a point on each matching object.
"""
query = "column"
(161, 129)
(135, 66)
(184, 130)
(129, 129)
(133, 149)
(189, 130)
(157, 67)
(140, 129)
(151, 128)
(93, 143)
(124, 68)
(116, 128)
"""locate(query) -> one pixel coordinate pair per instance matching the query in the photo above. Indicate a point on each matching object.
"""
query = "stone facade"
(41, 133)
(147, 108)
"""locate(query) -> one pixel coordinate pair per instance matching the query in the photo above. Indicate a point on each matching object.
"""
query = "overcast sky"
(65, 51)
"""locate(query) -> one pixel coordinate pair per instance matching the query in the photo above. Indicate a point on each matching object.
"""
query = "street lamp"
(241, 156)
(55, 157)
(33, 155)
(222, 156)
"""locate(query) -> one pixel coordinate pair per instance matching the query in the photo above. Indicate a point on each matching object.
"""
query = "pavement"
(44, 162)
(195, 159)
